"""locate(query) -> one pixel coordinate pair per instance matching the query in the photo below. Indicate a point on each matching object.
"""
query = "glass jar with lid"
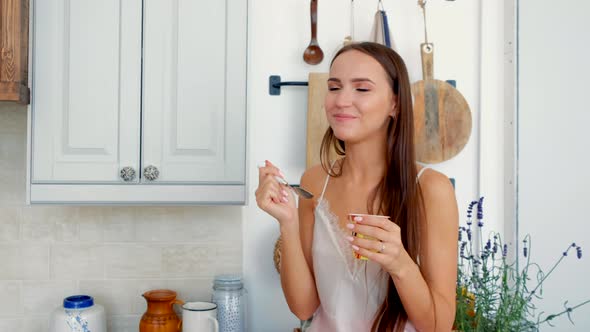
(230, 296)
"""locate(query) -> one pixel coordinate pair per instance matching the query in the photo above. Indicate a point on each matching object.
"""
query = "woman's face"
(360, 102)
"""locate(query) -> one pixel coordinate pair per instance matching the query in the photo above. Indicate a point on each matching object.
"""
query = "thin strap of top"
(328, 178)
(420, 173)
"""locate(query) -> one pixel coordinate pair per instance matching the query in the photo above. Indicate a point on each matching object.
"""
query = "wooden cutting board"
(442, 118)
(317, 123)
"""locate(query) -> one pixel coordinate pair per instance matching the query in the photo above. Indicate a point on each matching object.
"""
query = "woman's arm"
(296, 226)
(428, 291)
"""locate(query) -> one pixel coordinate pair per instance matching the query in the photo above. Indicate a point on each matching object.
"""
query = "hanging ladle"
(313, 53)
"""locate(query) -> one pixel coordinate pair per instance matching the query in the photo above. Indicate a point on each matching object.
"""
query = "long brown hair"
(398, 194)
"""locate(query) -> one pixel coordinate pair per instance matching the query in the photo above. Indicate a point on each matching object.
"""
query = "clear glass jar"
(230, 296)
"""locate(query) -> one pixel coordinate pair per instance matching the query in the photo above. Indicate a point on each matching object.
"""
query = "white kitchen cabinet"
(193, 102)
(86, 90)
(132, 84)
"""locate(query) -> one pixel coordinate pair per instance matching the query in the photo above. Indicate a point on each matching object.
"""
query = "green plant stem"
(523, 277)
(545, 276)
(551, 317)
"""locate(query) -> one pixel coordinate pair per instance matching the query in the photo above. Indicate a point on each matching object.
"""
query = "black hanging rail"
(275, 84)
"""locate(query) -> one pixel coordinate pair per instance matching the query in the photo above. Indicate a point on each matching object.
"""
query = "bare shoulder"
(438, 194)
(435, 184)
(313, 179)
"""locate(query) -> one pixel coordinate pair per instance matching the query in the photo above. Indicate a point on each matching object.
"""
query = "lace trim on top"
(338, 236)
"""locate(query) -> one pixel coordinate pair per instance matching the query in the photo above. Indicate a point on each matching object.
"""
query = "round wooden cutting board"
(442, 119)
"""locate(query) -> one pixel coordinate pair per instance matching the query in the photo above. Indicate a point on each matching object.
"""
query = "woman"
(408, 282)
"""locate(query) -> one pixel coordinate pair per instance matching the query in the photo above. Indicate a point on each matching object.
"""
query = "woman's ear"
(393, 111)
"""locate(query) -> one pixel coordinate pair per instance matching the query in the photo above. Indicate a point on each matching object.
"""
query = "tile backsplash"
(112, 253)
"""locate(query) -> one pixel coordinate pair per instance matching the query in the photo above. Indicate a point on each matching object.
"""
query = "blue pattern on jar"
(76, 322)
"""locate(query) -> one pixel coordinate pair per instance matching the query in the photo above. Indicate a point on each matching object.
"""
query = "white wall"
(554, 183)
(278, 34)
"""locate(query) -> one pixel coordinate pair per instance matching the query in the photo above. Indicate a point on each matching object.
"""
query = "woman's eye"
(362, 89)
(333, 88)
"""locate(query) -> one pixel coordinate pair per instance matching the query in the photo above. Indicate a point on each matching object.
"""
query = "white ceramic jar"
(78, 314)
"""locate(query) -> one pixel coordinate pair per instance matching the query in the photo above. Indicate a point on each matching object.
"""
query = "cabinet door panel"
(86, 90)
(194, 90)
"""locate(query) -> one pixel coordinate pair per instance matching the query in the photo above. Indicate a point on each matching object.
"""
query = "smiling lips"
(343, 117)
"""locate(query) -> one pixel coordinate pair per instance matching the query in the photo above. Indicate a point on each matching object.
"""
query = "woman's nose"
(344, 98)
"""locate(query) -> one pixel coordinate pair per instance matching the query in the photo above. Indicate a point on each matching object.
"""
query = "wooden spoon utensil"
(313, 53)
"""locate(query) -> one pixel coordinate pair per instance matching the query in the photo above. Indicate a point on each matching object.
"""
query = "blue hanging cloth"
(386, 36)
(380, 32)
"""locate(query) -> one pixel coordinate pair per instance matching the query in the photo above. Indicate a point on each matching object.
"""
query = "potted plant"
(494, 294)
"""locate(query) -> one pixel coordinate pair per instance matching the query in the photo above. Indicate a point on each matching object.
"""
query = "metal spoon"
(313, 53)
(298, 190)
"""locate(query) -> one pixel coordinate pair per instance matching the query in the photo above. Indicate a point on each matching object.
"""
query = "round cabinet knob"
(151, 173)
(127, 174)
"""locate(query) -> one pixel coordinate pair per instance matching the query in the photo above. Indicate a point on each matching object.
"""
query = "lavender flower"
(470, 208)
(463, 245)
(579, 252)
(460, 234)
(505, 251)
(488, 245)
(469, 234)
(525, 251)
(480, 209)
(470, 212)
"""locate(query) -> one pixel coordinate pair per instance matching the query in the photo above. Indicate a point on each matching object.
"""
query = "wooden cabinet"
(14, 48)
(139, 102)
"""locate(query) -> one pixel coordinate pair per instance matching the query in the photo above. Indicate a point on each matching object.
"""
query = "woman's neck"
(365, 162)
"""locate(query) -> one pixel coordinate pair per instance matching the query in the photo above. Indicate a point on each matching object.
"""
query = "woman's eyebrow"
(355, 80)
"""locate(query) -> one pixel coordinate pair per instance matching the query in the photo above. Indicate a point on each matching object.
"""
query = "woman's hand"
(273, 197)
(388, 251)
